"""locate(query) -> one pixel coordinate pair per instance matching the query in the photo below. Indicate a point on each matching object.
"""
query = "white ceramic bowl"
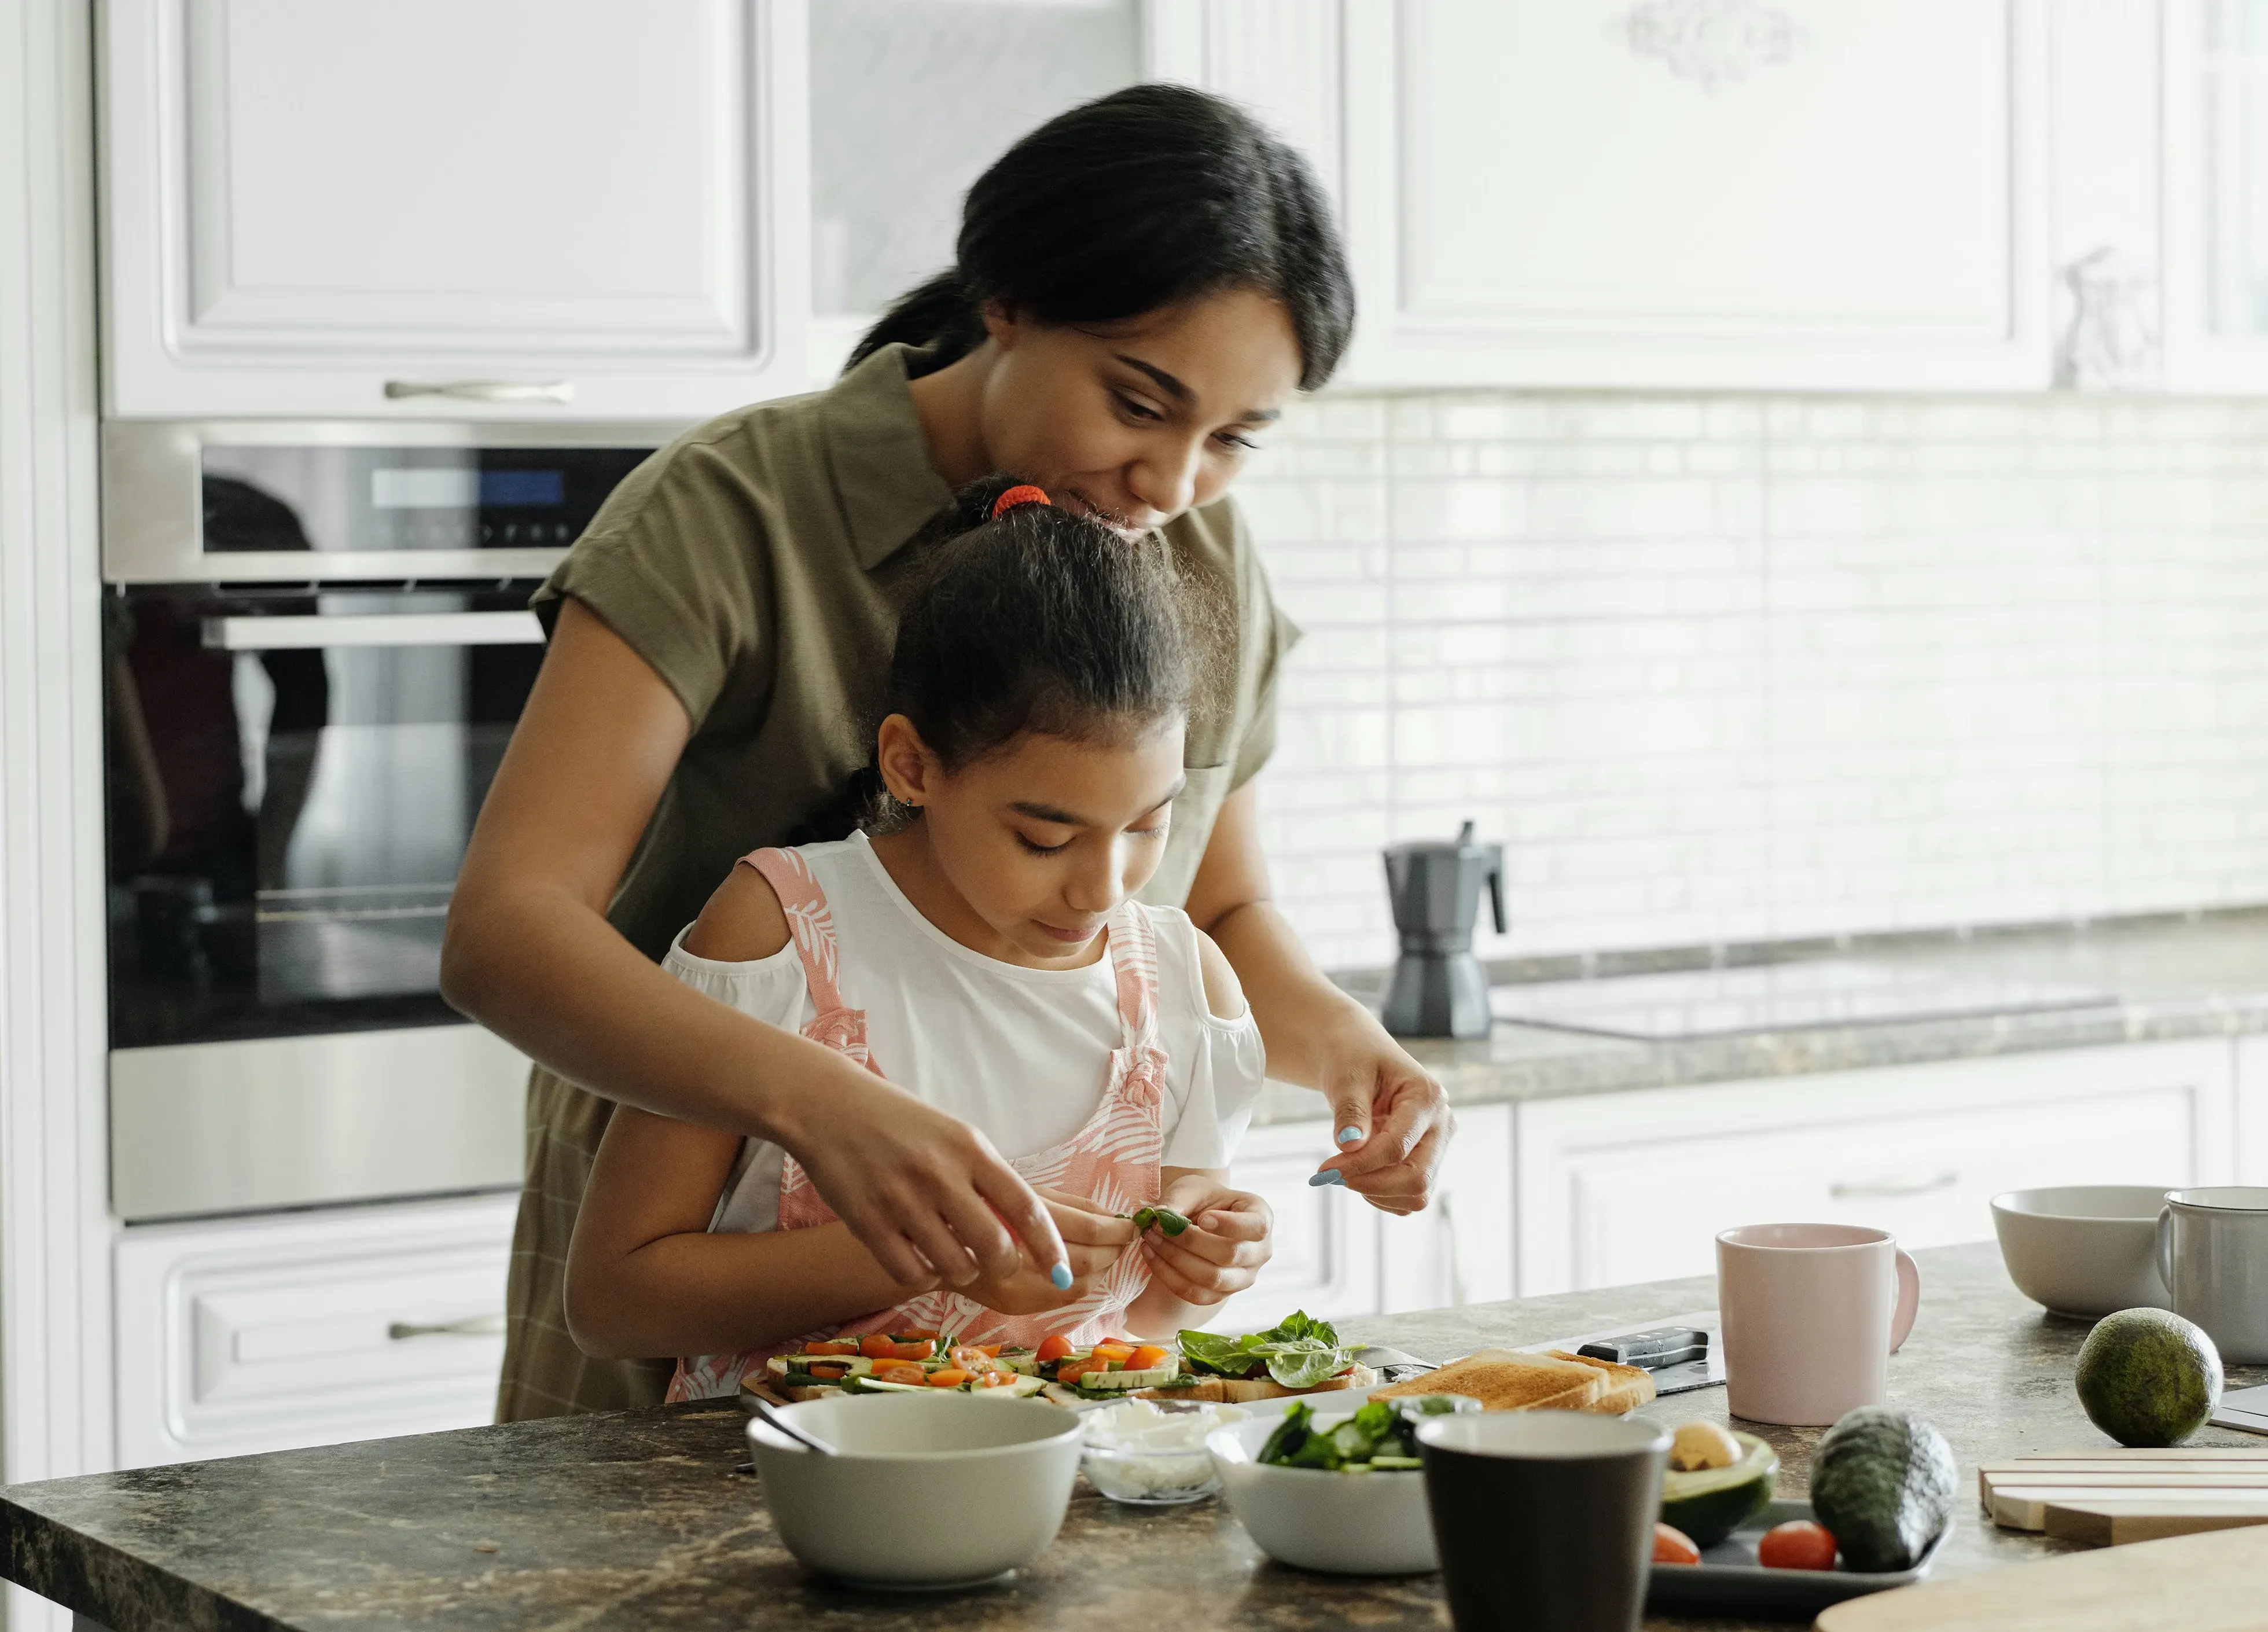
(1347, 1523)
(2083, 1249)
(927, 1491)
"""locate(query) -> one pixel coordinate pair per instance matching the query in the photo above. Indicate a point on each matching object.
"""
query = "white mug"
(2213, 1254)
(1812, 1313)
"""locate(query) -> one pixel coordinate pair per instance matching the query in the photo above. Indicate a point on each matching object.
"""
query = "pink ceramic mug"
(1810, 1321)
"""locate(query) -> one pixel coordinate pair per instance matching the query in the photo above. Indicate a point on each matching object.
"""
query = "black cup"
(1544, 1519)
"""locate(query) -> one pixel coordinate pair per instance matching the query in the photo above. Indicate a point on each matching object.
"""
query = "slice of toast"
(1628, 1387)
(1502, 1380)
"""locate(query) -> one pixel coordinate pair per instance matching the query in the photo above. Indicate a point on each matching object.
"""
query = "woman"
(1141, 284)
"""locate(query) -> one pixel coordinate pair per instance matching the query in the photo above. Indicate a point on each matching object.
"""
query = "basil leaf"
(1224, 1356)
(1302, 1364)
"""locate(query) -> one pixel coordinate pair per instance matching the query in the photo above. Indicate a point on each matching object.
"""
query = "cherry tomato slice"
(899, 1371)
(1143, 1358)
(1673, 1546)
(1051, 1349)
(1798, 1544)
(951, 1377)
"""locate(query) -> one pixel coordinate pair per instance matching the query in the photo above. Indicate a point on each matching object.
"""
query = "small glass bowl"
(1151, 1478)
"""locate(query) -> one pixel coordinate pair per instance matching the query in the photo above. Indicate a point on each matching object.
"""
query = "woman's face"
(1137, 421)
(1033, 845)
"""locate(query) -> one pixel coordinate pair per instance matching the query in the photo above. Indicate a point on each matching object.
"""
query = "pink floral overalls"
(1112, 1160)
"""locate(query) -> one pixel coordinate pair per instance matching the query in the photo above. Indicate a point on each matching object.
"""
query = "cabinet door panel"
(1326, 1240)
(307, 201)
(1598, 192)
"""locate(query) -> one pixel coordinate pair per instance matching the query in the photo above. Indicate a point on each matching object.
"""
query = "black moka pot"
(1440, 989)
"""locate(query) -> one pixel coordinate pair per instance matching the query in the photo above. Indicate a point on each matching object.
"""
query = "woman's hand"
(1397, 1113)
(1223, 1248)
(1093, 1241)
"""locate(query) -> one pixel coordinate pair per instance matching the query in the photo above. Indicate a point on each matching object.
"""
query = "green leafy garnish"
(1169, 1222)
(1299, 1353)
(1381, 1436)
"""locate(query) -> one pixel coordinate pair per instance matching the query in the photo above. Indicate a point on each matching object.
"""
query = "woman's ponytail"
(938, 314)
(1148, 196)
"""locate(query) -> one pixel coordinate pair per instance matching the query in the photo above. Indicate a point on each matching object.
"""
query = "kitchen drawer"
(1621, 1187)
(309, 1328)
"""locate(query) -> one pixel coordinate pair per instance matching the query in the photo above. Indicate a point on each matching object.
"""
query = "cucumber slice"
(1152, 1376)
(1391, 1463)
(780, 1365)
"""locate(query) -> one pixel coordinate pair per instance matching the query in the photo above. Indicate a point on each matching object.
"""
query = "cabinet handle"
(1877, 1189)
(471, 1326)
(485, 390)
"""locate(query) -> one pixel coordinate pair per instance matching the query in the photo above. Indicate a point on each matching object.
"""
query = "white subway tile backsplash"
(1723, 668)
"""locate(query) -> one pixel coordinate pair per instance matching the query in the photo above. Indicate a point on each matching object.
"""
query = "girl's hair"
(1149, 195)
(1035, 621)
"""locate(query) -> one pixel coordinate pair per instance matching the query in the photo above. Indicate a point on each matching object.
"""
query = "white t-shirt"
(1021, 1054)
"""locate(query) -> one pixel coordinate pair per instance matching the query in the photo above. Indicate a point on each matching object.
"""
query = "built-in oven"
(317, 645)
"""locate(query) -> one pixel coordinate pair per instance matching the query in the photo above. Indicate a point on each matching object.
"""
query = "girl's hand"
(1222, 1251)
(1093, 1241)
(1398, 1115)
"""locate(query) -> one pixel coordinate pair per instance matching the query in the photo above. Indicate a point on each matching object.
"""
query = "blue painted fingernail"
(1347, 1136)
(1330, 1175)
(1060, 1276)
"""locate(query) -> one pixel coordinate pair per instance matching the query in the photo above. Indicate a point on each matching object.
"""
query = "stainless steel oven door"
(293, 775)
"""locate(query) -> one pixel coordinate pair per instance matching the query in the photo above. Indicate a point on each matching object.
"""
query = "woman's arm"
(530, 955)
(1316, 1035)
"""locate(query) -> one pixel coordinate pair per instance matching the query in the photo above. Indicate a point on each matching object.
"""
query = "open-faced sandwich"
(899, 1363)
(1116, 1368)
(1301, 1355)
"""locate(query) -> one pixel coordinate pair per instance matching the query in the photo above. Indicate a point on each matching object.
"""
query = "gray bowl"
(2087, 1250)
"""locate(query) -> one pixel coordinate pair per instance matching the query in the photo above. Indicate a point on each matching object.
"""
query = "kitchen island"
(639, 1520)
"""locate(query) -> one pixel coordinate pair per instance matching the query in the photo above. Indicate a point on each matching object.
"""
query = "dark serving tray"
(1728, 1579)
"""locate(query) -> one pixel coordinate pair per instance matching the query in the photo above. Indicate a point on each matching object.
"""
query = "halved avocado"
(1710, 1503)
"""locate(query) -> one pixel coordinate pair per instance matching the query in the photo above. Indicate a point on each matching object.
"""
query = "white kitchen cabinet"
(2214, 63)
(1698, 193)
(309, 1328)
(1634, 1186)
(1337, 1255)
(533, 208)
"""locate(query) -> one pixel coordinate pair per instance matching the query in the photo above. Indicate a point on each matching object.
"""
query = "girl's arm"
(644, 1277)
(1316, 1034)
(530, 954)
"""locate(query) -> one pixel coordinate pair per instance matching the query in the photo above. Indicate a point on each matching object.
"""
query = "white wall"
(1726, 668)
(54, 1296)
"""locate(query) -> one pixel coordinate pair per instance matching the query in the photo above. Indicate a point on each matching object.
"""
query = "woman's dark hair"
(1037, 620)
(1152, 194)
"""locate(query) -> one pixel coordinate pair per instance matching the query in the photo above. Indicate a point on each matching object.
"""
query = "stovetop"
(1776, 996)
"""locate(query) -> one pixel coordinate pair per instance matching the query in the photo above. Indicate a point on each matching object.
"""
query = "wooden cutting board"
(2113, 1496)
(2191, 1584)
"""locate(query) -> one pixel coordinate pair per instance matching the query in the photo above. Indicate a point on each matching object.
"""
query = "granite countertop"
(2181, 976)
(638, 1521)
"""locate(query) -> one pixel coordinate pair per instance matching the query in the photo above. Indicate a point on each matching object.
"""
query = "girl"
(1141, 284)
(985, 948)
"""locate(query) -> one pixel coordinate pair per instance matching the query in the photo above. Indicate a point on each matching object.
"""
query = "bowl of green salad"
(1342, 1493)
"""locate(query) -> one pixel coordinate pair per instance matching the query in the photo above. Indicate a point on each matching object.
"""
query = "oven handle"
(483, 390)
(408, 628)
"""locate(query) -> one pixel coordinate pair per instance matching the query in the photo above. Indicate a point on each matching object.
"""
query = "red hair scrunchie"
(1022, 494)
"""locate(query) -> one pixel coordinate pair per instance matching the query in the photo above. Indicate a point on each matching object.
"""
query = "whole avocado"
(2146, 1377)
(1882, 1482)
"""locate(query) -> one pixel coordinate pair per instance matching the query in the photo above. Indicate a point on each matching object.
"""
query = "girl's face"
(1022, 854)
(1137, 421)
